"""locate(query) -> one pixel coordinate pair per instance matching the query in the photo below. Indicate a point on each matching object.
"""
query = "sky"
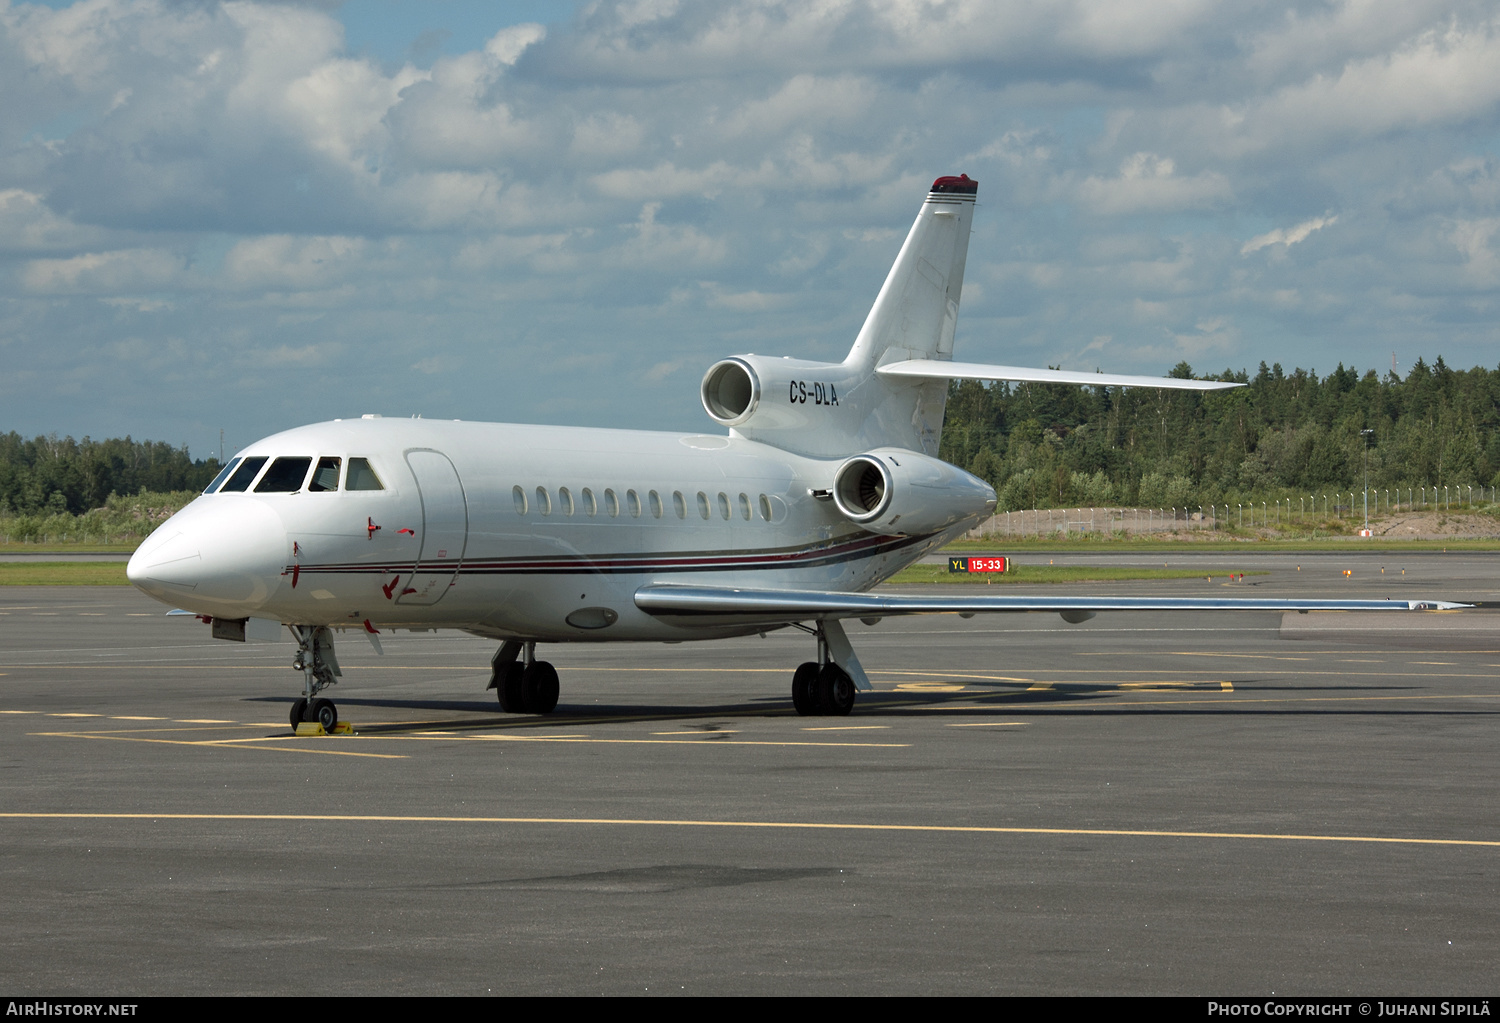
(247, 216)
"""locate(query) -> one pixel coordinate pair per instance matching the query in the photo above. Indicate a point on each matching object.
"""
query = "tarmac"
(1141, 804)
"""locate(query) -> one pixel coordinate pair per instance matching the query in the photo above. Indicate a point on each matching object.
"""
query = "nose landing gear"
(320, 669)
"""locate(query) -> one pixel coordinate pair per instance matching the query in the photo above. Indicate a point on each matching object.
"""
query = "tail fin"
(915, 314)
(917, 308)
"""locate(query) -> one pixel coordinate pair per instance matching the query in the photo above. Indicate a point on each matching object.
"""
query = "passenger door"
(445, 528)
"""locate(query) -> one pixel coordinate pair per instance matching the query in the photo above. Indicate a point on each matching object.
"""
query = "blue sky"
(250, 216)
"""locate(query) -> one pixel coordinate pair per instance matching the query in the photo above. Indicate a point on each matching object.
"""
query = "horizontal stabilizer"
(718, 605)
(935, 369)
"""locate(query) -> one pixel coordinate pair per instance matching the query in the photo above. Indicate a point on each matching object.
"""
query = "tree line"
(1282, 434)
(52, 476)
(1039, 445)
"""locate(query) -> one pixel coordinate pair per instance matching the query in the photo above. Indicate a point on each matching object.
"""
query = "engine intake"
(863, 488)
(731, 391)
(898, 492)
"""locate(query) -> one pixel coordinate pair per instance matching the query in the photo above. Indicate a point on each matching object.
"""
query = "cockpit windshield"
(284, 477)
(244, 475)
(223, 475)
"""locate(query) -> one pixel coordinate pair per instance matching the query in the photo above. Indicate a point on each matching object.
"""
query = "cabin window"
(325, 476)
(518, 495)
(564, 501)
(611, 504)
(679, 504)
(703, 504)
(590, 506)
(655, 500)
(634, 501)
(361, 476)
(724, 505)
(223, 475)
(243, 476)
(745, 507)
(284, 477)
(543, 501)
(765, 507)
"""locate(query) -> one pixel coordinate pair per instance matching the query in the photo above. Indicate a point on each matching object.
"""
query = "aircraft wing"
(936, 369)
(690, 605)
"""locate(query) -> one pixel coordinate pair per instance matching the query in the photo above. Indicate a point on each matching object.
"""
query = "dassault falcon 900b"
(826, 484)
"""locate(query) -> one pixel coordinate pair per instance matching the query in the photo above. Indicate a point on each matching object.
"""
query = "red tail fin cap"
(963, 184)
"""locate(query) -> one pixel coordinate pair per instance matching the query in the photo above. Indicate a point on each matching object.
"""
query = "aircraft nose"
(221, 555)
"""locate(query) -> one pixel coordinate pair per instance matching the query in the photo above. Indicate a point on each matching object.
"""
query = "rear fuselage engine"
(903, 493)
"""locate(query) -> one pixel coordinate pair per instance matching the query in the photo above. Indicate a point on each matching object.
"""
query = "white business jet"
(826, 483)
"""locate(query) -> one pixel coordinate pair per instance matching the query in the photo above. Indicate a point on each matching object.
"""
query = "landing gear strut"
(524, 685)
(320, 669)
(821, 687)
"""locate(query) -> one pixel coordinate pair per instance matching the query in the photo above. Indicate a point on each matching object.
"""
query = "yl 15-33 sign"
(978, 564)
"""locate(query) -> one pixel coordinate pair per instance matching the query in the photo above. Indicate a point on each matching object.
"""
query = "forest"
(47, 476)
(1283, 434)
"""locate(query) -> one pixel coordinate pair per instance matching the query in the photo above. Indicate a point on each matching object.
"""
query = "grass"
(1034, 575)
(59, 547)
(63, 573)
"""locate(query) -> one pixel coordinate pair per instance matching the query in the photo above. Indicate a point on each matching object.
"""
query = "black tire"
(835, 691)
(805, 688)
(326, 714)
(508, 687)
(299, 712)
(539, 688)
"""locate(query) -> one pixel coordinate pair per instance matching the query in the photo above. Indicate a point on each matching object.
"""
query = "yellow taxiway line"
(944, 829)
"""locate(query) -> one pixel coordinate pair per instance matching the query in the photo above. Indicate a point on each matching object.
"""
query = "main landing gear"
(821, 687)
(524, 685)
(320, 669)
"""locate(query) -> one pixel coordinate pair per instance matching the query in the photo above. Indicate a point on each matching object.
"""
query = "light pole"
(1367, 434)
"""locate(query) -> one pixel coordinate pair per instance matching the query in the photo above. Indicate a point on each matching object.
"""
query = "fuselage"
(511, 531)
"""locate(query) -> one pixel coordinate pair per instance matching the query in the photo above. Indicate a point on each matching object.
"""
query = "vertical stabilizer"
(917, 309)
(915, 314)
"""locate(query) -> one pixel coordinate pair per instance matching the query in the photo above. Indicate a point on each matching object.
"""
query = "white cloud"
(1475, 239)
(1147, 183)
(670, 245)
(291, 261)
(28, 225)
(1287, 236)
(97, 273)
(507, 45)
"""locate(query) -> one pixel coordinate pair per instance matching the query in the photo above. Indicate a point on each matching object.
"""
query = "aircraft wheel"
(805, 688)
(539, 688)
(835, 691)
(299, 712)
(508, 687)
(326, 714)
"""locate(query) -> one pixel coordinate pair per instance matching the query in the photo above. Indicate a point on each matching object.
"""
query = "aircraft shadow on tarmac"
(1003, 700)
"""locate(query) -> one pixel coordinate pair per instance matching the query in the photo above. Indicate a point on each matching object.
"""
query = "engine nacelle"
(898, 492)
(813, 408)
